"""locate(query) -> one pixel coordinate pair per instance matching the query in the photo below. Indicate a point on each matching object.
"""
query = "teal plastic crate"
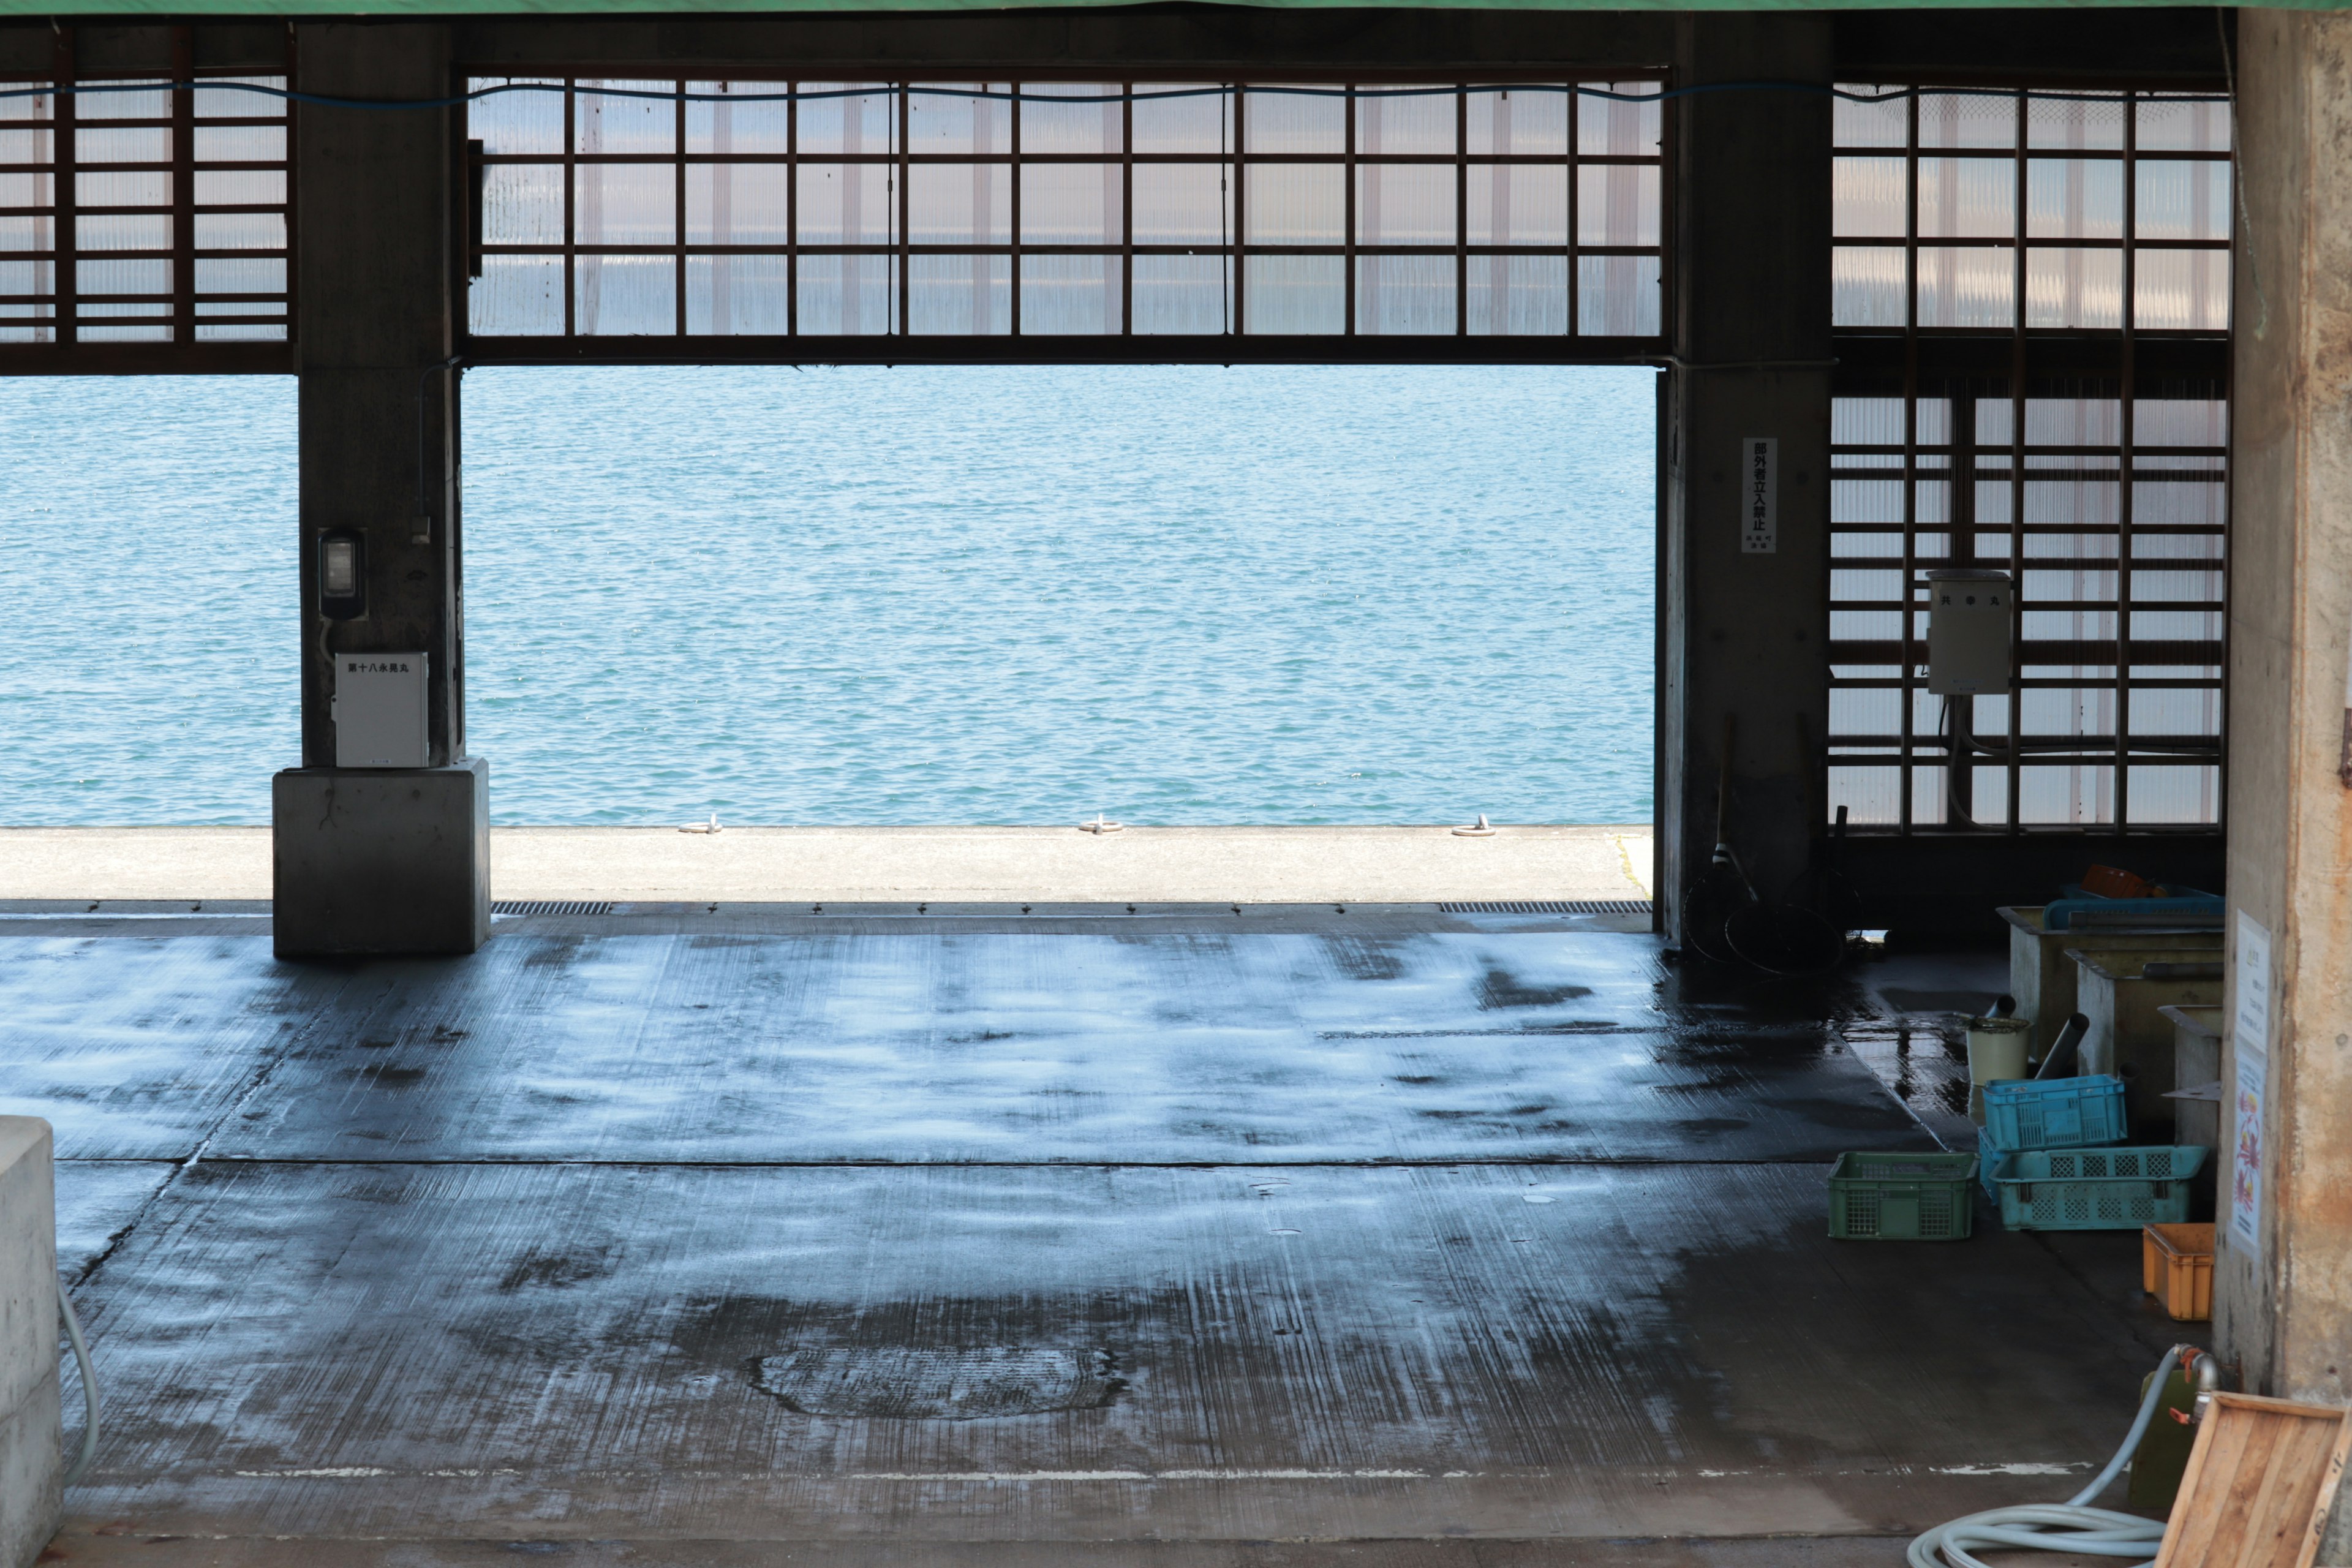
(1992, 1160)
(2054, 1112)
(2097, 1189)
(1901, 1198)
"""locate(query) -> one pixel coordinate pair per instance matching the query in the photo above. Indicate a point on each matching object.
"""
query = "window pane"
(963, 295)
(2075, 198)
(624, 295)
(1531, 122)
(959, 204)
(1975, 286)
(2074, 287)
(2181, 291)
(1518, 204)
(848, 296)
(1617, 296)
(1421, 123)
(846, 204)
(1295, 203)
(1518, 296)
(1071, 204)
(737, 204)
(1404, 203)
(1185, 294)
(1295, 294)
(1617, 203)
(737, 294)
(1867, 284)
(1072, 127)
(1870, 197)
(1314, 120)
(1183, 203)
(1405, 294)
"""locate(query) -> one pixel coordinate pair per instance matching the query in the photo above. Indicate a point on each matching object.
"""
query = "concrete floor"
(906, 865)
(1194, 1238)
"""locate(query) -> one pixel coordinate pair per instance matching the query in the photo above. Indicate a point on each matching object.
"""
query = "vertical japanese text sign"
(2251, 1036)
(1759, 524)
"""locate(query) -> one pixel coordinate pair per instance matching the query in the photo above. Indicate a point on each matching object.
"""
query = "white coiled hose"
(2069, 1526)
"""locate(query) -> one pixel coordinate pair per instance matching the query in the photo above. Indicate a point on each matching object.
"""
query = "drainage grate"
(553, 907)
(1553, 907)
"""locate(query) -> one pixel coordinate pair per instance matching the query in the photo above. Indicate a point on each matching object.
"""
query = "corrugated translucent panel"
(1872, 796)
(1865, 625)
(239, 145)
(1071, 204)
(240, 188)
(1972, 286)
(738, 295)
(624, 203)
(846, 204)
(848, 296)
(2181, 291)
(1404, 295)
(1870, 197)
(150, 188)
(1295, 294)
(36, 106)
(1865, 546)
(137, 144)
(864, 122)
(1183, 294)
(1617, 203)
(1887, 124)
(25, 190)
(28, 234)
(2180, 421)
(239, 331)
(1928, 789)
(2055, 711)
(518, 296)
(2073, 795)
(1182, 204)
(963, 295)
(1867, 286)
(121, 97)
(1967, 119)
(2074, 287)
(122, 277)
(723, 128)
(1617, 296)
(1852, 586)
(2089, 124)
(2176, 712)
(1531, 122)
(1065, 295)
(2181, 199)
(1202, 122)
(2156, 504)
(517, 122)
(959, 204)
(240, 231)
(241, 274)
(1518, 204)
(738, 204)
(1608, 127)
(2175, 794)
(1389, 127)
(123, 232)
(1295, 203)
(28, 278)
(1865, 421)
(604, 123)
(1865, 712)
(1404, 203)
(522, 204)
(159, 333)
(2041, 586)
(2181, 587)
(2147, 546)
(2177, 125)
(230, 98)
(1295, 122)
(26, 146)
(2075, 198)
(1867, 501)
(940, 121)
(1967, 198)
(1078, 128)
(624, 296)
(2073, 422)
(1518, 296)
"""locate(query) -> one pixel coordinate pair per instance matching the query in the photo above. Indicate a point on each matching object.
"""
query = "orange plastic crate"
(2177, 1268)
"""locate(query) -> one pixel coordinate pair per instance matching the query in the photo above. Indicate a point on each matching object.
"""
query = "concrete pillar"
(2283, 1282)
(381, 859)
(31, 1459)
(1743, 632)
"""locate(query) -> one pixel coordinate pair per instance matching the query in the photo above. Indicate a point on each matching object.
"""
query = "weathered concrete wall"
(1743, 635)
(2285, 1308)
(31, 1461)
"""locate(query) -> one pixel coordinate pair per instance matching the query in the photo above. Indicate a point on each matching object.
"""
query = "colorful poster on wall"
(2250, 1035)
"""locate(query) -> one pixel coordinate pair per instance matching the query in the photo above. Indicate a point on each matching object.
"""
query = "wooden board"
(2258, 1485)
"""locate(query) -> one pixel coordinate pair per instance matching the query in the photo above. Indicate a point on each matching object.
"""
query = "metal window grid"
(2087, 456)
(1605, 255)
(124, 216)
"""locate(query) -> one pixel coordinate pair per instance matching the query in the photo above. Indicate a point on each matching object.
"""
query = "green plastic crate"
(2097, 1189)
(1901, 1198)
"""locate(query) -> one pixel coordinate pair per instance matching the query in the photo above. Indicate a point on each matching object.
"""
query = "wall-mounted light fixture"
(342, 575)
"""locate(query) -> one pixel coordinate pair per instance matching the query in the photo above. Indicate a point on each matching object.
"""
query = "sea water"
(1175, 594)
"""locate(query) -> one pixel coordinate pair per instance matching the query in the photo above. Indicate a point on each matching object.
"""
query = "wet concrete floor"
(675, 1237)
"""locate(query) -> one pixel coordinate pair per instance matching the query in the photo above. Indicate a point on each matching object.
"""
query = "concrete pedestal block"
(32, 1461)
(2041, 973)
(2129, 1034)
(381, 860)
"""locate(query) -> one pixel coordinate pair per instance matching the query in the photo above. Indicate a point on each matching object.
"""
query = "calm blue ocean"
(866, 595)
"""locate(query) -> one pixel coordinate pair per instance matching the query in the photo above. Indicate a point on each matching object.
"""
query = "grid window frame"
(1290, 249)
(2077, 457)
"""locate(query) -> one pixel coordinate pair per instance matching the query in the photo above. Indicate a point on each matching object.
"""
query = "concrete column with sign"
(382, 835)
(2282, 1280)
(1744, 476)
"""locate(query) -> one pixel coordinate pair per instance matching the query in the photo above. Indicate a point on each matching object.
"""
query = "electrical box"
(380, 710)
(1970, 619)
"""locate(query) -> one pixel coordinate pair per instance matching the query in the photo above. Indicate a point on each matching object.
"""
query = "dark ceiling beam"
(2169, 46)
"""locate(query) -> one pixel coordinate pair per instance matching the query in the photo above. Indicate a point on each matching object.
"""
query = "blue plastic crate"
(1992, 1160)
(2055, 1112)
(2097, 1189)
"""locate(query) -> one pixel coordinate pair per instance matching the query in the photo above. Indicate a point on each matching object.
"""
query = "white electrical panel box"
(380, 710)
(1970, 619)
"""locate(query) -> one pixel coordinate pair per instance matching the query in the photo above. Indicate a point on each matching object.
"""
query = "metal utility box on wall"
(1969, 623)
(378, 708)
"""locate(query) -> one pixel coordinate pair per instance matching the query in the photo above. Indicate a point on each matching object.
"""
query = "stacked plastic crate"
(2052, 1153)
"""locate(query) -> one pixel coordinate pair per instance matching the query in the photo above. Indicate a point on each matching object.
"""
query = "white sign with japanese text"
(2250, 1035)
(1760, 463)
